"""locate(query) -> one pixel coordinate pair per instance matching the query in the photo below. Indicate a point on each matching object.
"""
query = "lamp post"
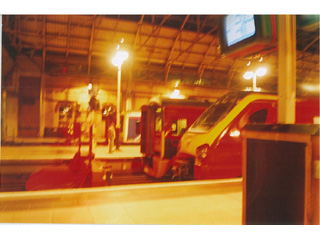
(259, 72)
(117, 61)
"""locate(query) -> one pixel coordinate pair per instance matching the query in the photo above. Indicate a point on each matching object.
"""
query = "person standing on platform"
(111, 136)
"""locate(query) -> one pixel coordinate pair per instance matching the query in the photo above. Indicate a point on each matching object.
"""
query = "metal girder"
(83, 52)
(67, 32)
(231, 73)
(138, 31)
(178, 35)
(162, 50)
(149, 76)
(201, 66)
(199, 22)
(68, 36)
(91, 44)
(154, 31)
(169, 62)
(19, 31)
(115, 27)
(194, 42)
(310, 44)
(44, 44)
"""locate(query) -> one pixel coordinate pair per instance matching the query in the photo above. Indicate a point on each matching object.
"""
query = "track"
(125, 179)
(16, 182)
(13, 182)
(14, 174)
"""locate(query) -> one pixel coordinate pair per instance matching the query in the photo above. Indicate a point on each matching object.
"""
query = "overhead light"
(257, 89)
(309, 87)
(119, 58)
(248, 75)
(261, 71)
(176, 94)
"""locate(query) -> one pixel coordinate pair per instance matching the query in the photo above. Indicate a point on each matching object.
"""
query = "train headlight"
(235, 133)
(201, 152)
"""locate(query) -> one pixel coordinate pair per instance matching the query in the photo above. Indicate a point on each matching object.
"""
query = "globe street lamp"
(117, 61)
(259, 72)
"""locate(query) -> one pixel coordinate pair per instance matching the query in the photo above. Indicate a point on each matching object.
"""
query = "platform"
(195, 202)
(54, 152)
(18, 162)
(19, 141)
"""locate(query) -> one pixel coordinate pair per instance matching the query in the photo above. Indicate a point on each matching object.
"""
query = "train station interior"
(160, 119)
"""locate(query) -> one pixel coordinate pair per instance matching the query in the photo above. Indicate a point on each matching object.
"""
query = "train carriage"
(212, 146)
(163, 122)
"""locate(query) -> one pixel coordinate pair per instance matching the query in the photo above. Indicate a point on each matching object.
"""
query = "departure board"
(238, 28)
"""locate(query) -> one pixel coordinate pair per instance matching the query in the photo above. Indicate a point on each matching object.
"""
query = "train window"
(65, 112)
(179, 127)
(158, 124)
(215, 112)
(258, 116)
(174, 128)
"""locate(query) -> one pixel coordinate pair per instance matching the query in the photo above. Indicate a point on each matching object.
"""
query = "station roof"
(162, 48)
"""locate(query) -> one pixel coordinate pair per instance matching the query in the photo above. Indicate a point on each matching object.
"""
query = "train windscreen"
(216, 112)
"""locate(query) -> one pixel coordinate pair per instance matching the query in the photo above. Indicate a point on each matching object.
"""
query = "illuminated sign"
(242, 35)
(239, 27)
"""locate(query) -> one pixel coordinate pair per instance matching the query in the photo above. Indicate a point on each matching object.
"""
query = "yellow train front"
(212, 147)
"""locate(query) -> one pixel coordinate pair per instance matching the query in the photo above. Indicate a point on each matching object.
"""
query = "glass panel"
(158, 124)
(258, 116)
(179, 127)
(216, 112)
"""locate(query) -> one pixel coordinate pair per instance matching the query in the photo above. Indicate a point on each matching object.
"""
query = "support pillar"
(42, 109)
(129, 93)
(3, 115)
(287, 69)
(118, 109)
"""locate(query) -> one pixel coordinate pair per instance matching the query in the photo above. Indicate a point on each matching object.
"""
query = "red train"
(212, 146)
(163, 122)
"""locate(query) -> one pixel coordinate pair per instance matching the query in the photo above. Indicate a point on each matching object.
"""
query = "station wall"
(58, 89)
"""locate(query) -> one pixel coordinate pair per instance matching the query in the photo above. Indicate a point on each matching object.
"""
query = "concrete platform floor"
(41, 152)
(216, 202)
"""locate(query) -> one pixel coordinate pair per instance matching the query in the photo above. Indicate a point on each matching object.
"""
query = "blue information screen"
(238, 28)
